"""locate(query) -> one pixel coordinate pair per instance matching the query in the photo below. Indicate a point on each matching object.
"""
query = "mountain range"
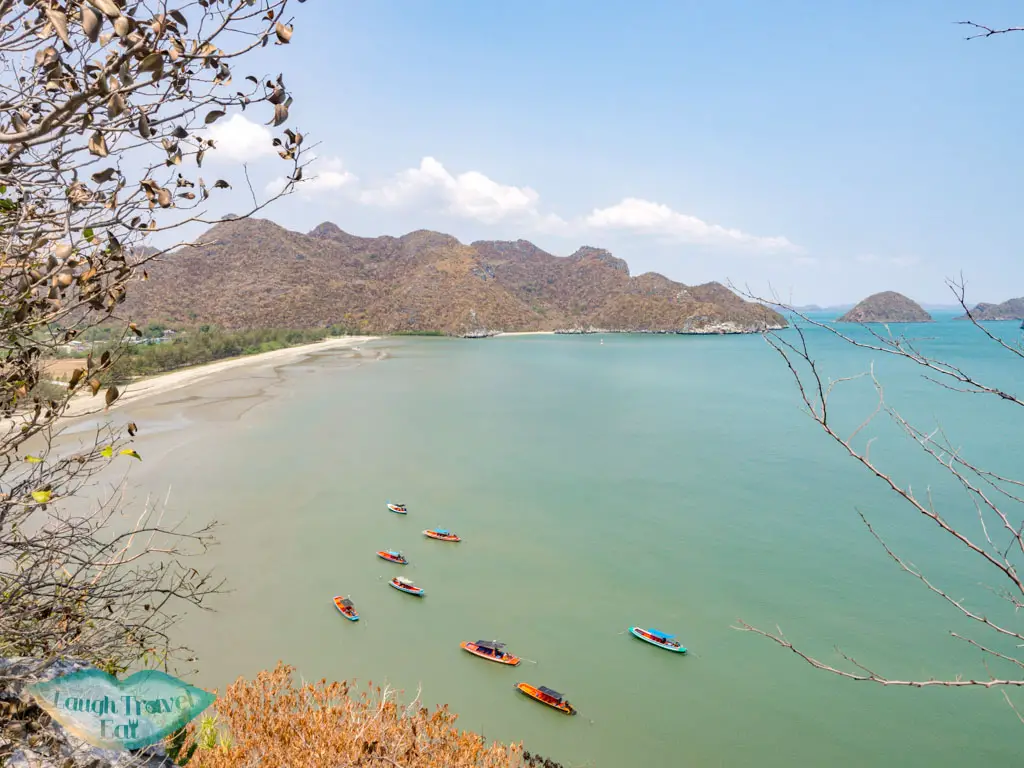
(252, 273)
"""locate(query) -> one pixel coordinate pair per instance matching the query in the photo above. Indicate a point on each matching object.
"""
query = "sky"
(815, 151)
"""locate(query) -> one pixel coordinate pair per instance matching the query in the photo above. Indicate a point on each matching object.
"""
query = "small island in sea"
(1011, 309)
(886, 307)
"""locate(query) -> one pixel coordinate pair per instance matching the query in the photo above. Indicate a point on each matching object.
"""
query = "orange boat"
(490, 650)
(441, 533)
(545, 695)
(348, 610)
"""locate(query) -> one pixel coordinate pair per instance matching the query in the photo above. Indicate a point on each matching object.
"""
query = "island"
(1012, 309)
(886, 307)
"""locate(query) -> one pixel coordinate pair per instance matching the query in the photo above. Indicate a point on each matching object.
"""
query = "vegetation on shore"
(271, 721)
(156, 353)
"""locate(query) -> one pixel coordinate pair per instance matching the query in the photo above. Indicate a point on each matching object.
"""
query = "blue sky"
(828, 149)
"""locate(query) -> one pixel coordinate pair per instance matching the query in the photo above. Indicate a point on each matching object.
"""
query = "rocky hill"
(1013, 309)
(886, 307)
(253, 273)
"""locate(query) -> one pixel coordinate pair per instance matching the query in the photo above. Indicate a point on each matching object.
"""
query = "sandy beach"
(86, 404)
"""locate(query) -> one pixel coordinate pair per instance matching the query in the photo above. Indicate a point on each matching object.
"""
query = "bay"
(664, 481)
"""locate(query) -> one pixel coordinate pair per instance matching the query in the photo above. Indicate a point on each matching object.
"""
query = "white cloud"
(470, 195)
(237, 139)
(646, 217)
(320, 175)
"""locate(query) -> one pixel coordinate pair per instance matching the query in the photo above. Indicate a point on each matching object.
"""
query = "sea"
(601, 482)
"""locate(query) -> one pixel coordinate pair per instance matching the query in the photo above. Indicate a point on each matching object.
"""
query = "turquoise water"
(663, 481)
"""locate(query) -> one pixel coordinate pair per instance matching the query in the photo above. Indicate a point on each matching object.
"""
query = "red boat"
(441, 534)
(392, 556)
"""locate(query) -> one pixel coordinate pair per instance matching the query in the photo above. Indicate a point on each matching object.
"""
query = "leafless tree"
(103, 111)
(998, 540)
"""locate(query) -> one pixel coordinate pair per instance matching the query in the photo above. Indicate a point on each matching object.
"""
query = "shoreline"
(85, 404)
(524, 333)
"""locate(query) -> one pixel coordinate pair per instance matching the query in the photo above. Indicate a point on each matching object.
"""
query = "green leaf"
(87, 233)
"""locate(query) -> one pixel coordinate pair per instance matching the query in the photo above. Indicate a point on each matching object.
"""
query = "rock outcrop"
(886, 307)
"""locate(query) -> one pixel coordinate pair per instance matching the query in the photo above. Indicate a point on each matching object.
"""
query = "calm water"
(663, 481)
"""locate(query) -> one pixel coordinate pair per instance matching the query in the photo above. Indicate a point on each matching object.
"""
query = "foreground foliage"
(107, 108)
(272, 722)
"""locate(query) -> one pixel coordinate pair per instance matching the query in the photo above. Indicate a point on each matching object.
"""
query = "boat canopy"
(393, 552)
(659, 635)
(494, 645)
(403, 580)
(442, 531)
(347, 603)
(553, 694)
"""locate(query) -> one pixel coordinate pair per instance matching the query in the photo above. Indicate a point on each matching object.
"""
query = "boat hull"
(508, 659)
(354, 616)
(533, 693)
(390, 559)
(432, 535)
(414, 592)
(398, 510)
(636, 631)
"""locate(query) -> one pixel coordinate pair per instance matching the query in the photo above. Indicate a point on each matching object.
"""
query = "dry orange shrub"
(271, 722)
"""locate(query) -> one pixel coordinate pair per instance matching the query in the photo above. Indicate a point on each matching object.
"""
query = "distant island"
(252, 273)
(1012, 309)
(886, 307)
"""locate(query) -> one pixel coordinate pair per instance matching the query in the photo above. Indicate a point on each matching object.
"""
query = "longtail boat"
(405, 585)
(545, 695)
(392, 556)
(398, 508)
(490, 650)
(660, 639)
(347, 608)
(442, 534)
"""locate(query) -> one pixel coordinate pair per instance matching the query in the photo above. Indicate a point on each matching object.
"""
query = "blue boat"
(660, 639)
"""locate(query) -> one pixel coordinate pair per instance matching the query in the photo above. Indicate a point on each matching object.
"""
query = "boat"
(347, 608)
(660, 639)
(490, 650)
(392, 556)
(545, 695)
(405, 585)
(400, 509)
(442, 534)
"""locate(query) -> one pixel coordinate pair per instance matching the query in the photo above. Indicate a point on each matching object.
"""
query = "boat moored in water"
(660, 639)
(490, 650)
(545, 695)
(347, 608)
(441, 534)
(400, 509)
(405, 585)
(392, 556)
